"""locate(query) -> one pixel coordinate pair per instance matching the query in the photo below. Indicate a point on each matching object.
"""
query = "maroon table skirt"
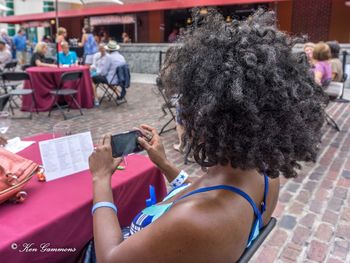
(45, 79)
(58, 213)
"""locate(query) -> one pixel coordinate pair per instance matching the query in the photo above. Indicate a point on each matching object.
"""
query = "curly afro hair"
(247, 100)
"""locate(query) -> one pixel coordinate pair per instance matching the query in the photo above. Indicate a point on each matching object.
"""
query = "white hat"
(112, 46)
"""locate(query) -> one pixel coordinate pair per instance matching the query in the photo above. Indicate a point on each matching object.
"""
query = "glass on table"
(5, 121)
(61, 129)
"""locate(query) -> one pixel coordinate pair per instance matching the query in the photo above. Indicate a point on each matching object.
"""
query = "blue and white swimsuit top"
(152, 213)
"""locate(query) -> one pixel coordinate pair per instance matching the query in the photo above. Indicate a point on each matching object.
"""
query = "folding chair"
(250, 251)
(111, 91)
(334, 91)
(25, 66)
(11, 66)
(60, 91)
(168, 105)
(341, 99)
(19, 76)
(3, 100)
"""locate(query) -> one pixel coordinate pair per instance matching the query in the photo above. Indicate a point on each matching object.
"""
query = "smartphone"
(125, 143)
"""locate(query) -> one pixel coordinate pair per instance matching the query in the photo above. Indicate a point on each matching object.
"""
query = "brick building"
(152, 21)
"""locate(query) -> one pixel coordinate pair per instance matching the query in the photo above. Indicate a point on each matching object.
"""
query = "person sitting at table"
(5, 54)
(67, 57)
(99, 60)
(38, 59)
(252, 111)
(322, 67)
(336, 64)
(3, 141)
(107, 72)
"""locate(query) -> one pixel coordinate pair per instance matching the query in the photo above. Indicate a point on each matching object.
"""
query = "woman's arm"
(318, 77)
(156, 153)
(38, 63)
(83, 40)
(159, 242)
(102, 166)
(334, 75)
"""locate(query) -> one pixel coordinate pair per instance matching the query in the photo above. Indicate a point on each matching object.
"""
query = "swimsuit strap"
(231, 189)
(266, 190)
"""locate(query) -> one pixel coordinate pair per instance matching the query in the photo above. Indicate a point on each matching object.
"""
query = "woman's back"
(90, 45)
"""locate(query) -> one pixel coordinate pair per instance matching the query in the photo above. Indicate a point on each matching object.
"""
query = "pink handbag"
(15, 172)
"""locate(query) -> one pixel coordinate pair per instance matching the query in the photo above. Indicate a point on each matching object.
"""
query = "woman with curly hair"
(252, 111)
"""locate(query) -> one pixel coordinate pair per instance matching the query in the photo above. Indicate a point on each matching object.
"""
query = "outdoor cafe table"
(45, 79)
(59, 212)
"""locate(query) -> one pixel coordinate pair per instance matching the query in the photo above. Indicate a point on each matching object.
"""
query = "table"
(45, 79)
(59, 212)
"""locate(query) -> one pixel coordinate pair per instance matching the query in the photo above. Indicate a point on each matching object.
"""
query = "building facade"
(153, 21)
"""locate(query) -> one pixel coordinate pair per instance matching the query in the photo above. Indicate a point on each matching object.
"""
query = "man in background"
(20, 45)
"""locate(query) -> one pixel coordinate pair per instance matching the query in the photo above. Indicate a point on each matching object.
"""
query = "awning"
(127, 8)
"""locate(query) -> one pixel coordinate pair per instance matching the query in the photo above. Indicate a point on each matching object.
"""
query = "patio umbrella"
(81, 2)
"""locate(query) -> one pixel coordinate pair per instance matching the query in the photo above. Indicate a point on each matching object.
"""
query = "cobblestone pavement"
(313, 212)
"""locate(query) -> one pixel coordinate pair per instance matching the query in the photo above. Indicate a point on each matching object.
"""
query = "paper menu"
(66, 155)
(15, 145)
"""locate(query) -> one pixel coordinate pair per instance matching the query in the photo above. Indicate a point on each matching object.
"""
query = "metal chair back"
(25, 66)
(15, 76)
(70, 76)
(250, 251)
(11, 66)
(3, 100)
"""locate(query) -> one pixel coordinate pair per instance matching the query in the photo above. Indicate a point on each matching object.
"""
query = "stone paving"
(313, 212)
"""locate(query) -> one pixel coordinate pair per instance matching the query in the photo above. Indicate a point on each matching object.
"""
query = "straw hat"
(112, 46)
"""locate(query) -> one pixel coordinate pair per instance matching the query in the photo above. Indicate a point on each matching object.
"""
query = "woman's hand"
(3, 141)
(102, 164)
(153, 146)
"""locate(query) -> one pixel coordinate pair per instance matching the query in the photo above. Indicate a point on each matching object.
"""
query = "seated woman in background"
(38, 59)
(252, 111)
(336, 64)
(322, 67)
(66, 57)
(309, 49)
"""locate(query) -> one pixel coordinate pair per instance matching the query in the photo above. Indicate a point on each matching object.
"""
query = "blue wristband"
(103, 204)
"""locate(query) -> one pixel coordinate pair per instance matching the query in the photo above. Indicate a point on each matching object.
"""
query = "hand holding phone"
(125, 143)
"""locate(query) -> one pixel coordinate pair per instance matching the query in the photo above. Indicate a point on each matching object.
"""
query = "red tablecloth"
(59, 212)
(44, 79)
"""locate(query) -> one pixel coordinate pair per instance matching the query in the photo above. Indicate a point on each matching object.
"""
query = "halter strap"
(266, 190)
(231, 189)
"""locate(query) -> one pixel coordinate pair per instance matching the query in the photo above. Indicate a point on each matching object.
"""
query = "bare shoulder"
(188, 231)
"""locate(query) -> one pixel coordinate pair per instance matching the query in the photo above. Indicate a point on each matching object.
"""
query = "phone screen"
(125, 143)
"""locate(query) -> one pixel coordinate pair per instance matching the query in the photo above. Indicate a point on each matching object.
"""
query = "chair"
(168, 105)
(334, 91)
(3, 100)
(60, 91)
(25, 66)
(11, 66)
(341, 99)
(19, 76)
(250, 251)
(122, 74)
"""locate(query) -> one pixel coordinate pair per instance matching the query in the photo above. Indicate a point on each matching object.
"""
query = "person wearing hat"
(5, 54)
(106, 73)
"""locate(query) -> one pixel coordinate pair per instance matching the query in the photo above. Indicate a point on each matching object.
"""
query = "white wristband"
(179, 180)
